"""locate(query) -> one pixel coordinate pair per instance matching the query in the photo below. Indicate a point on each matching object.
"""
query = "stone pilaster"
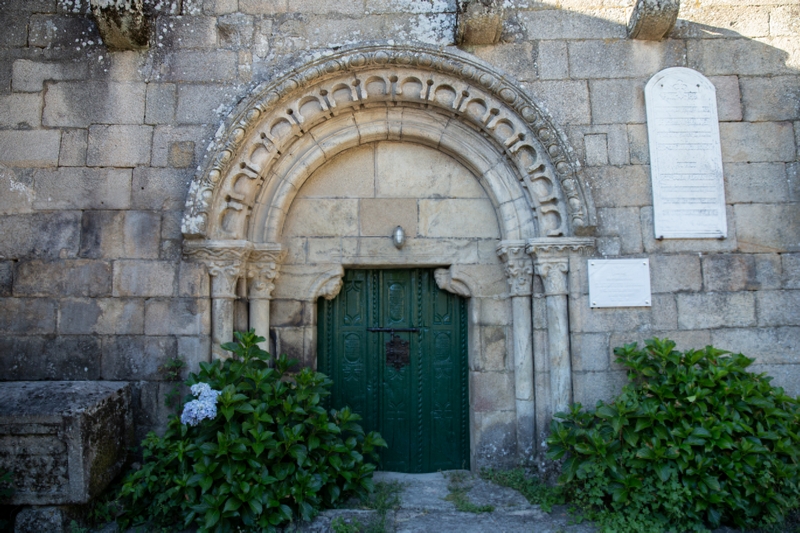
(519, 272)
(225, 261)
(551, 261)
(263, 266)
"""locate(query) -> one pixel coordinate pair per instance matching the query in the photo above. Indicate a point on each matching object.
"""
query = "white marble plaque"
(619, 283)
(685, 156)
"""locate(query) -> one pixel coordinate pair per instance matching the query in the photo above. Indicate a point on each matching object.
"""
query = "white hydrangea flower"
(204, 407)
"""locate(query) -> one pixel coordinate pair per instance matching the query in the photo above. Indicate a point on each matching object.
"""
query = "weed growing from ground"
(458, 494)
(534, 490)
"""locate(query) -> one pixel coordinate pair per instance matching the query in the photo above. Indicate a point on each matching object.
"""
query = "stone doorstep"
(64, 441)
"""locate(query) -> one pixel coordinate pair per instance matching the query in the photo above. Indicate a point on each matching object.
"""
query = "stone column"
(551, 261)
(519, 272)
(225, 261)
(263, 265)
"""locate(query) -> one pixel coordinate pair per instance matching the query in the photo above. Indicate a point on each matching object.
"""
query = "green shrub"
(694, 440)
(269, 455)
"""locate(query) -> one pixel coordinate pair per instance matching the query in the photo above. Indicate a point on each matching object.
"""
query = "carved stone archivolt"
(293, 125)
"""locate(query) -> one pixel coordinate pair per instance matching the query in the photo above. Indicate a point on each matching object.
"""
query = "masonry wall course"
(78, 104)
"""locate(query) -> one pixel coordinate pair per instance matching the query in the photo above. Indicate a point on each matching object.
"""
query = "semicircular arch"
(448, 101)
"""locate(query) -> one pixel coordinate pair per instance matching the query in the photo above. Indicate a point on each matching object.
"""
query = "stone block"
(765, 345)
(102, 234)
(18, 191)
(122, 65)
(624, 58)
(317, 7)
(193, 281)
(458, 218)
(30, 148)
(552, 60)
(732, 57)
(755, 182)
(236, 30)
(29, 76)
(49, 235)
(495, 312)
(159, 188)
(740, 272)
(188, 32)
(290, 341)
(590, 387)
(778, 308)
(102, 316)
(661, 316)
(141, 235)
(167, 138)
(136, 357)
(494, 354)
(263, 7)
(6, 277)
(35, 519)
(79, 104)
(67, 277)
(494, 438)
(596, 146)
(395, 6)
(491, 391)
(651, 245)
(21, 110)
(402, 170)
(16, 29)
(28, 316)
(286, 313)
(61, 31)
(517, 59)
(194, 350)
(177, 316)
(793, 172)
(351, 173)
(783, 20)
(624, 223)
(729, 99)
(638, 145)
(322, 217)
(378, 217)
(73, 148)
(771, 99)
(82, 188)
(181, 154)
(617, 101)
(705, 22)
(673, 273)
(767, 227)
(160, 103)
(708, 310)
(119, 146)
(564, 24)
(71, 357)
(143, 278)
(202, 66)
(63, 441)
(790, 268)
(566, 101)
(621, 186)
(200, 104)
(590, 352)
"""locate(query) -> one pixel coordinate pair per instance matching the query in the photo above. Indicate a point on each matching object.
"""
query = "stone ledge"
(63, 441)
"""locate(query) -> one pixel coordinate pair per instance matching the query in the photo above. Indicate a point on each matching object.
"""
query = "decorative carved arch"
(447, 100)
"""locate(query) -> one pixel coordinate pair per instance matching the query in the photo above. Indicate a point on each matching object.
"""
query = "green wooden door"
(417, 399)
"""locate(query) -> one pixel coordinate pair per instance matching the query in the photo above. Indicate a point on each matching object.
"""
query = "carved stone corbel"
(450, 281)
(328, 284)
(123, 25)
(652, 20)
(479, 21)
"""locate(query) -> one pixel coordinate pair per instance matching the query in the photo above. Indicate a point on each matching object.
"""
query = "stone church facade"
(237, 165)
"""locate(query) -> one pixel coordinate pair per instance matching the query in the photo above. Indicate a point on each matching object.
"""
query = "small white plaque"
(685, 156)
(619, 283)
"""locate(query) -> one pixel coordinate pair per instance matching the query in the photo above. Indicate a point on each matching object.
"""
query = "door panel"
(417, 402)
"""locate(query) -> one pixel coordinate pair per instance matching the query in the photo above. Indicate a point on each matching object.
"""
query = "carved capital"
(553, 272)
(263, 266)
(225, 261)
(519, 269)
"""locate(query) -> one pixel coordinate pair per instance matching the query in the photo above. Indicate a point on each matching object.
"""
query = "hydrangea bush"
(253, 450)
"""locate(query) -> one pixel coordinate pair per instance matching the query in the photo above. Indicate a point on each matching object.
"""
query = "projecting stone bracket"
(652, 20)
(123, 24)
(479, 22)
